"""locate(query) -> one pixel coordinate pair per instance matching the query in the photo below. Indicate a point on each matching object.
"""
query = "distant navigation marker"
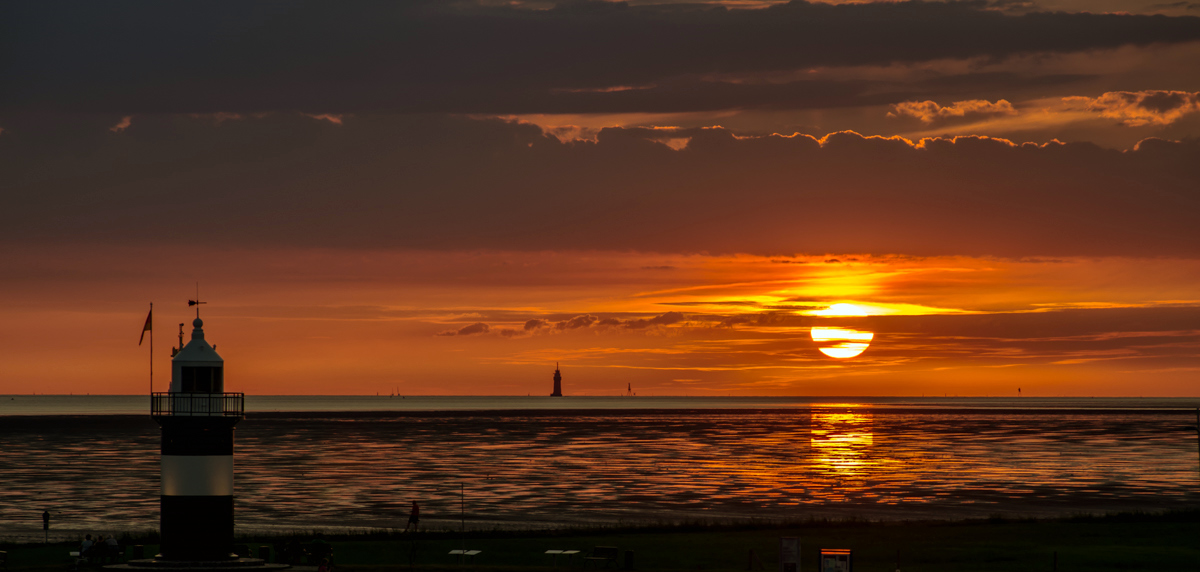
(557, 382)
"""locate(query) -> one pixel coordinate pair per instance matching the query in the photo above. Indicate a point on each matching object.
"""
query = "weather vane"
(197, 301)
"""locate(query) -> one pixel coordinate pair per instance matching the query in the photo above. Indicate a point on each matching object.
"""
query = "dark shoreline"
(1161, 541)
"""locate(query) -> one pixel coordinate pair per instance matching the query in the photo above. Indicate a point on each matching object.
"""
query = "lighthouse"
(197, 419)
(557, 382)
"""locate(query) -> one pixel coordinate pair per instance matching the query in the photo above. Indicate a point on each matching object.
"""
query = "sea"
(356, 463)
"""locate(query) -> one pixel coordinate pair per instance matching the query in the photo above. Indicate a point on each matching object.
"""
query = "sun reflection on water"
(841, 443)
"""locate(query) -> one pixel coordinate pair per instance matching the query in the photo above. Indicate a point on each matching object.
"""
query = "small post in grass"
(462, 508)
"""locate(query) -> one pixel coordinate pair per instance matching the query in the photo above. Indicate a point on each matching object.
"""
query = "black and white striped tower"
(197, 419)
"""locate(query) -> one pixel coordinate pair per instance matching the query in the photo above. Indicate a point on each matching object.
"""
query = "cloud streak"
(1138, 108)
(929, 111)
(468, 330)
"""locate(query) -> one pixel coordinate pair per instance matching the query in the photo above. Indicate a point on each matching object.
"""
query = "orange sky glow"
(449, 197)
(360, 322)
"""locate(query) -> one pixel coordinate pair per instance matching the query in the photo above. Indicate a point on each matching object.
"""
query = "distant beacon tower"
(197, 419)
(557, 382)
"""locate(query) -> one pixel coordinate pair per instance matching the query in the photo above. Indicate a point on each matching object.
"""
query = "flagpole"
(151, 348)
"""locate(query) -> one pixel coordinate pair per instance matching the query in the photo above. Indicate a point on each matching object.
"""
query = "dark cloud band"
(140, 56)
(443, 183)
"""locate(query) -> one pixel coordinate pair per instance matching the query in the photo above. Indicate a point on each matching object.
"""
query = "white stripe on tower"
(204, 475)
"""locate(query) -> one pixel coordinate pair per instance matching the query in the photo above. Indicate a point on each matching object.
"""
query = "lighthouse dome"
(198, 368)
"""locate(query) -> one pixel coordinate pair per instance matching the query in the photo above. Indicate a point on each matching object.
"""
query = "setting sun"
(841, 343)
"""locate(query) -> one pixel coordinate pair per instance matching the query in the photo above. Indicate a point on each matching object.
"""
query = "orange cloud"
(476, 328)
(333, 118)
(929, 111)
(1138, 108)
(122, 125)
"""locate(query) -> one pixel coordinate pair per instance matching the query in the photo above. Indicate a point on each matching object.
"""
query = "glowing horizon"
(342, 322)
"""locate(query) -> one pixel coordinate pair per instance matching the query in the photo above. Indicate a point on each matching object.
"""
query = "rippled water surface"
(305, 469)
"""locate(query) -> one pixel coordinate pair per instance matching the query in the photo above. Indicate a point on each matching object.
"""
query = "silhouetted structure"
(197, 419)
(557, 382)
(196, 500)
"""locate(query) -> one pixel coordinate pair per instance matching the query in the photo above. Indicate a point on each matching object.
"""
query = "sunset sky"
(449, 197)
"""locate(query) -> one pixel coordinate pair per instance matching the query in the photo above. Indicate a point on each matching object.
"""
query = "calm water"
(540, 462)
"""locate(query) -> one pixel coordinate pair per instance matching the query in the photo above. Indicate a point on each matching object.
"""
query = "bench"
(465, 554)
(76, 559)
(555, 553)
(606, 554)
(98, 554)
(102, 553)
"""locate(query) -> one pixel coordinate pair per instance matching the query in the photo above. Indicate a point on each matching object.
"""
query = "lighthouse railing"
(177, 404)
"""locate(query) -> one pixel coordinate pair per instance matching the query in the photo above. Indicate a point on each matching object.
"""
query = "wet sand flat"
(547, 469)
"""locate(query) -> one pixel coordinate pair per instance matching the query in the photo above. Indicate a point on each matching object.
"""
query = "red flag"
(147, 327)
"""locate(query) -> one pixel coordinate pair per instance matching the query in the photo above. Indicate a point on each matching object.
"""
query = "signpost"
(789, 554)
(836, 560)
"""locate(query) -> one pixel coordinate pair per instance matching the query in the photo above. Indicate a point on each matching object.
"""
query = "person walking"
(414, 517)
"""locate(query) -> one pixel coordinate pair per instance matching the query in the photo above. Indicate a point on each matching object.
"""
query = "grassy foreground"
(1159, 543)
